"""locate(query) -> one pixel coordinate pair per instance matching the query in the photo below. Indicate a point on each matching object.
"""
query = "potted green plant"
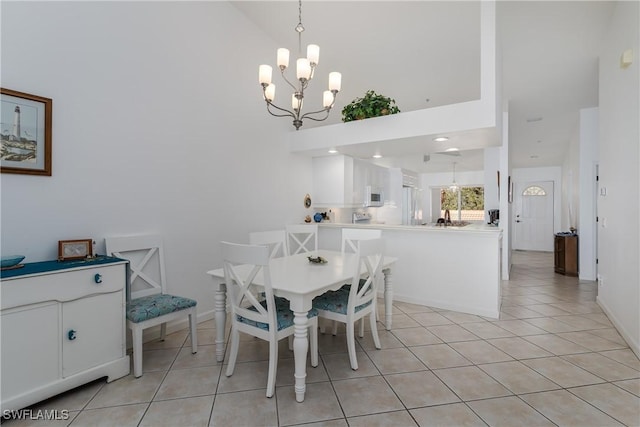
(370, 105)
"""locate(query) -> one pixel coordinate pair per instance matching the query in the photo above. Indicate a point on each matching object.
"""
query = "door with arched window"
(533, 216)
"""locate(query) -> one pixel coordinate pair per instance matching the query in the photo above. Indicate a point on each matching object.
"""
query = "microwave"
(373, 197)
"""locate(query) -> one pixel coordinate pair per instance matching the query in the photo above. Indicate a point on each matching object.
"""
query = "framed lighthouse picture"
(25, 133)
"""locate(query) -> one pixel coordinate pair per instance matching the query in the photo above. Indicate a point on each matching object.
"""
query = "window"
(534, 190)
(467, 204)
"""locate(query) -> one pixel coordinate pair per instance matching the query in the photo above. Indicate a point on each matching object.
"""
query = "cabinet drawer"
(63, 285)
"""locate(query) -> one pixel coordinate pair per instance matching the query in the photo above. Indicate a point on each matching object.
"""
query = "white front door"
(533, 216)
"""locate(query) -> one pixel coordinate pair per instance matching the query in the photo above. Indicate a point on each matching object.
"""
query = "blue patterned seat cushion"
(347, 287)
(145, 308)
(335, 301)
(284, 315)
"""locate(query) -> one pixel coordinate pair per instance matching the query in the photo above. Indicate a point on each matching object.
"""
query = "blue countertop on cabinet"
(47, 266)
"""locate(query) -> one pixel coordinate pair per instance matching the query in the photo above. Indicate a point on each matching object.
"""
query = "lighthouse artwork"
(25, 133)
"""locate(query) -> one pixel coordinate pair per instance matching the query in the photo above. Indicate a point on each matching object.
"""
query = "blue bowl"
(11, 260)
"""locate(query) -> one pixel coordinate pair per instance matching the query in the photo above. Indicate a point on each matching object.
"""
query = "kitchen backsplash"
(386, 214)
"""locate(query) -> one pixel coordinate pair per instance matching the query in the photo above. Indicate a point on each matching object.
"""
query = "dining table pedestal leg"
(220, 309)
(300, 348)
(388, 298)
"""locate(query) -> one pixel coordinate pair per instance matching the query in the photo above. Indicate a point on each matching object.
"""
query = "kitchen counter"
(473, 227)
(452, 268)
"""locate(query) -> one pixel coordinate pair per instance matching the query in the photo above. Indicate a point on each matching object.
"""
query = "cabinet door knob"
(71, 335)
(98, 278)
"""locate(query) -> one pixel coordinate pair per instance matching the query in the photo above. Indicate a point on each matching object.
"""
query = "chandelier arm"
(307, 115)
(294, 87)
(288, 113)
(327, 110)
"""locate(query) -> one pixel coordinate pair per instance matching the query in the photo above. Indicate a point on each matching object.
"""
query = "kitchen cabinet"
(340, 181)
(333, 181)
(63, 324)
(566, 254)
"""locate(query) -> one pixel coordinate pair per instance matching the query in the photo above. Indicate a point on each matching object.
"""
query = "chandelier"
(305, 68)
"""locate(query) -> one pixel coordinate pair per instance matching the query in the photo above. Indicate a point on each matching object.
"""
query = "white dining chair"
(148, 303)
(276, 240)
(359, 301)
(302, 238)
(350, 237)
(269, 319)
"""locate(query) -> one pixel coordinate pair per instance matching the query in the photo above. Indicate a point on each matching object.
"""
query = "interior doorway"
(533, 216)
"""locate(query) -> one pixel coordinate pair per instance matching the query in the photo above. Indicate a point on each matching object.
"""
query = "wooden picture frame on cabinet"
(75, 249)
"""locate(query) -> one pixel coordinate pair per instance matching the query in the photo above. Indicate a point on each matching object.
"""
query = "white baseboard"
(633, 345)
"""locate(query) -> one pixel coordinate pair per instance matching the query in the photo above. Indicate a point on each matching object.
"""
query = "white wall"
(619, 157)
(571, 182)
(586, 213)
(491, 167)
(506, 211)
(158, 126)
(579, 189)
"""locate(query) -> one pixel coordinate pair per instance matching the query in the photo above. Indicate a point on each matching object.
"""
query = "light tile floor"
(553, 358)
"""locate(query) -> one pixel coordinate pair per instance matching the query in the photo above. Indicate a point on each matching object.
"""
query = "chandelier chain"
(299, 27)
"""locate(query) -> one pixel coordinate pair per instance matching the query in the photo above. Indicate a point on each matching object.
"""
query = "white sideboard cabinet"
(62, 325)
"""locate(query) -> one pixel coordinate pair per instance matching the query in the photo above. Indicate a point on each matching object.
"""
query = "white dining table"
(299, 280)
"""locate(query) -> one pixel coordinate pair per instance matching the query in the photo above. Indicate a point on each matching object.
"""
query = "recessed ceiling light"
(452, 149)
(377, 156)
(333, 151)
(441, 139)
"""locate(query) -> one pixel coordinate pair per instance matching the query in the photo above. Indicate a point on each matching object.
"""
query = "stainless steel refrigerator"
(411, 210)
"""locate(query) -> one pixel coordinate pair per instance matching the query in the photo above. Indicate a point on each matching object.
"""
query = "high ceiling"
(426, 54)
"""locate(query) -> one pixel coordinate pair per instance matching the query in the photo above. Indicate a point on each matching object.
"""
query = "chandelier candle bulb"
(296, 103)
(265, 74)
(303, 70)
(327, 98)
(313, 53)
(270, 92)
(335, 81)
(283, 58)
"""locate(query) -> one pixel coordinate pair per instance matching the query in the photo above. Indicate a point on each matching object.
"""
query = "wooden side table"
(566, 254)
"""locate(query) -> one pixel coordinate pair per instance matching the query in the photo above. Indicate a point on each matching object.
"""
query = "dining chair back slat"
(276, 240)
(370, 254)
(350, 237)
(302, 238)
(243, 292)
